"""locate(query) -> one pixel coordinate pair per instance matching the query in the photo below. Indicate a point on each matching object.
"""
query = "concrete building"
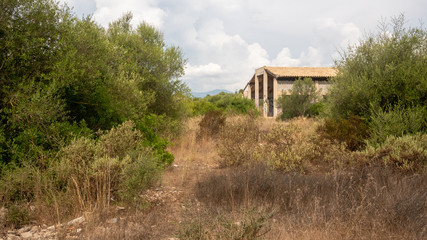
(268, 83)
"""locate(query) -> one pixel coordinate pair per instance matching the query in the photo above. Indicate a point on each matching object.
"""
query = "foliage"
(211, 124)
(104, 164)
(62, 77)
(231, 103)
(384, 80)
(405, 154)
(353, 131)
(82, 107)
(397, 121)
(300, 100)
(153, 127)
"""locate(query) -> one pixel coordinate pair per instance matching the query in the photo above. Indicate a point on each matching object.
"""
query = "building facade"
(268, 83)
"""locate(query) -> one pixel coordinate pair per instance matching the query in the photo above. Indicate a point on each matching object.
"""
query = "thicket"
(303, 100)
(67, 83)
(383, 80)
(230, 103)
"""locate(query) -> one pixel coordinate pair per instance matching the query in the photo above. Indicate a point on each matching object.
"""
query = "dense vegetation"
(67, 87)
(303, 100)
(230, 103)
(383, 80)
(380, 89)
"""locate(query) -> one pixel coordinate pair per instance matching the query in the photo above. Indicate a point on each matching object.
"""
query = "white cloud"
(208, 70)
(225, 40)
(143, 10)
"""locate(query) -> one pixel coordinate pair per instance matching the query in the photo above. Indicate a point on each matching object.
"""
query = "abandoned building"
(268, 83)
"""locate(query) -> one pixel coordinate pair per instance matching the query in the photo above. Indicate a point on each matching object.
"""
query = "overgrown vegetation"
(383, 80)
(230, 103)
(301, 100)
(312, 181)
(85, 111)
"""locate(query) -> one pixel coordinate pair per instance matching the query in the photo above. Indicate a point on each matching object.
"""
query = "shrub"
(17, 215)
(250, 224)
(385, 70)
(211, 124)
(155, 130)
(301, 99)
(397, 121)
(279, 148)
(353, 131)
(97, 171)
(230, 103)
(138, 175)
(404, 154)
(202, 106)
(238, 142)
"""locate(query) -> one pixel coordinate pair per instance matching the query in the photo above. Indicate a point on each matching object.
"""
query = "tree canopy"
(384, 80)
(300, 100)
(62, 77)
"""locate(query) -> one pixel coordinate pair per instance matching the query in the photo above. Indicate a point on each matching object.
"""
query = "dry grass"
(330, 199)
(334, 199)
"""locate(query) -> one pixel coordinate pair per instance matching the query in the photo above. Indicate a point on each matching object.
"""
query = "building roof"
(302, 71)
(295, 72)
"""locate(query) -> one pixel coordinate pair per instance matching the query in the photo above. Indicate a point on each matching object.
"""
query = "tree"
(62, 77)
(384, 78)
(301, 97)
(159, 67)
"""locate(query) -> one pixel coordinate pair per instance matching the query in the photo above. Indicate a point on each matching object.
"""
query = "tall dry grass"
(333, 193)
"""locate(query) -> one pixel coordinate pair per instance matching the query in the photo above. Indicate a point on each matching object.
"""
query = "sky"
(224, 41)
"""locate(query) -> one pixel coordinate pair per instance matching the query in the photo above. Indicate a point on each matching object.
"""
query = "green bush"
(397, 121)
(17, 216)
(405, 154)
(201, 106)
(300, 100)
(156, 129)
(353, 131)
(98, 169)
(230, 103)
(383, 80)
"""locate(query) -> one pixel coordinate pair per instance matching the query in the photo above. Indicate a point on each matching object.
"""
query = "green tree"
(158, 66)
(62, 77)
(301, 98)
(383, 79)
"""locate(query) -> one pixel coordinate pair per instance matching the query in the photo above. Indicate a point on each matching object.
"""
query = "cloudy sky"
(225, 40)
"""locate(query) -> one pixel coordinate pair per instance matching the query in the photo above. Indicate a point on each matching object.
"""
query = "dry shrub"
(238, 141)
(85, 178)
(291, 146)
(117, 166)
(247, 223)
(406, 154)
(372, 198)
(211, 124)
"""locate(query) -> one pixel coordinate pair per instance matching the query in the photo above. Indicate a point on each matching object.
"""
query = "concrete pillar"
(265, 94)
(256, 92)
(275, 96)
(249, 90)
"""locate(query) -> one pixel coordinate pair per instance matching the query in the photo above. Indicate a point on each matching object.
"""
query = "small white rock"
(26, 235)
(112, 220)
